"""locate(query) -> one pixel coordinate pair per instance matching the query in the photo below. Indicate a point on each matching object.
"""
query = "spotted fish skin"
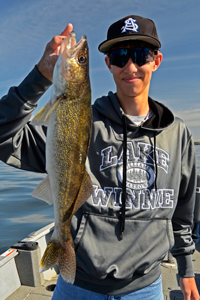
(68, 116)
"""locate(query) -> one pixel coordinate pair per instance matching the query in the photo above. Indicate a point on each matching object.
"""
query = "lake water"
(20, 213)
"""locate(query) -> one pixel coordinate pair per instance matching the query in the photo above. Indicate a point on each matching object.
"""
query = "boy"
(142, 165)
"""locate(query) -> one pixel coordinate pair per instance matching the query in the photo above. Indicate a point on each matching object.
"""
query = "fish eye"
(82, 59)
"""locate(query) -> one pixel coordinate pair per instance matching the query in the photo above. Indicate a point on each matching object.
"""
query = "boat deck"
(43, 292)
(19, 271)
(171, 289)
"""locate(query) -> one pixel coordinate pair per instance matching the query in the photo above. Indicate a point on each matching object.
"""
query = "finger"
(67, 30)
(57, 40)
(55, 43)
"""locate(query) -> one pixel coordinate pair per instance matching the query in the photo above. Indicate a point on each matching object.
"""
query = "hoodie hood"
(161, 119)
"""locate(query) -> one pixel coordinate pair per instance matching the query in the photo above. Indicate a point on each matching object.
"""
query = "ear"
(157, 61)
(107, 60)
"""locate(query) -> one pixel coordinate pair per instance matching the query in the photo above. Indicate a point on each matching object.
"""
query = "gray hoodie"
(144, 181)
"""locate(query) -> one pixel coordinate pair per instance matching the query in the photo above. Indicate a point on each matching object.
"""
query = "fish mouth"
(70, 45)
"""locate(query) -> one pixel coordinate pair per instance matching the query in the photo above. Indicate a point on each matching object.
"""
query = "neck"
(134, 106)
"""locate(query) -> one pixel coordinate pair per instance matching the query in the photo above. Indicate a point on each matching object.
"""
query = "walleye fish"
(68, 116)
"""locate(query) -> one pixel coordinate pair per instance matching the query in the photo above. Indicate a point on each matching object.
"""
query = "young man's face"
(133, 80)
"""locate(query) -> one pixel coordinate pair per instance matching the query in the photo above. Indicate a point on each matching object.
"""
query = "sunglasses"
(140, 56)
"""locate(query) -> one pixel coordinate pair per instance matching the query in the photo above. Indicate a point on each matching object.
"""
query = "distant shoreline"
(197, 143)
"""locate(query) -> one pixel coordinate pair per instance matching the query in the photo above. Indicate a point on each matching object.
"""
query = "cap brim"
(106, 45)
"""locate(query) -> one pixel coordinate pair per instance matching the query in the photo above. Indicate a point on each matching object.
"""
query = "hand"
(50, 56)
(189, 288)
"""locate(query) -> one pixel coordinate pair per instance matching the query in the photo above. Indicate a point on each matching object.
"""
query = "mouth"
(131, 80)
(70, 45)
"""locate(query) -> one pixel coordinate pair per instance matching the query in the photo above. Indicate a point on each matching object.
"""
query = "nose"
(131, 66)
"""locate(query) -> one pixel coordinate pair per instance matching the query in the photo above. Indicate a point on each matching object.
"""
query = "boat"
(20, 278)
(19, 267)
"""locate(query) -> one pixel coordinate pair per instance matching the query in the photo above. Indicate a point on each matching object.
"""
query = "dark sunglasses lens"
(140, 56)
(143, 56)
(119, 57)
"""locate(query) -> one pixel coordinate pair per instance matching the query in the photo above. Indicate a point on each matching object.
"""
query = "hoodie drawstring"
(122, 224)
(155, 160)
(123, 207)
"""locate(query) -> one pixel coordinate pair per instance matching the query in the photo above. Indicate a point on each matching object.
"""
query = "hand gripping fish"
(68, 116)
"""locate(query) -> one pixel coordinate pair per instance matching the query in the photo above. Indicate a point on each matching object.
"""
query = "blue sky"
(26, 27)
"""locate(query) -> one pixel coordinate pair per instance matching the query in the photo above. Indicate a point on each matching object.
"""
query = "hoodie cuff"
(185, 266)
(33, 86)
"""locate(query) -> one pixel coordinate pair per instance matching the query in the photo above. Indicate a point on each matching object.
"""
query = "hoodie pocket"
(100, 252)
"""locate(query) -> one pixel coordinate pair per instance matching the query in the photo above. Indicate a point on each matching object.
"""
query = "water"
(197, 150)
(20, 213)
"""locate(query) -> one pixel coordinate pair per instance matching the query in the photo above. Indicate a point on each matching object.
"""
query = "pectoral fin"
(42, 117)
(85, 192)
(43, 191)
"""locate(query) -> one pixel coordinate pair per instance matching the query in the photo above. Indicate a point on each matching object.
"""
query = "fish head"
(71, 71)
(75, 61)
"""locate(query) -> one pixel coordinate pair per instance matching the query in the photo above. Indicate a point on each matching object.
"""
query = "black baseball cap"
(131, 28)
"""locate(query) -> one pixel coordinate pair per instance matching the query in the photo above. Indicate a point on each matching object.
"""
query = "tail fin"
(67, 263)
(64, 256)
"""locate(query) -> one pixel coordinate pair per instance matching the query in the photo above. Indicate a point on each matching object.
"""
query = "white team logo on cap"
(130, 25)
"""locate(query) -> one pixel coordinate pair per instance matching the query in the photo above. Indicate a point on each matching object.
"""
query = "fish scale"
(68, 116)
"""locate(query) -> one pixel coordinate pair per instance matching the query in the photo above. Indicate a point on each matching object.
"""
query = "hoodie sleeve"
(21, 144)
(184, 213)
